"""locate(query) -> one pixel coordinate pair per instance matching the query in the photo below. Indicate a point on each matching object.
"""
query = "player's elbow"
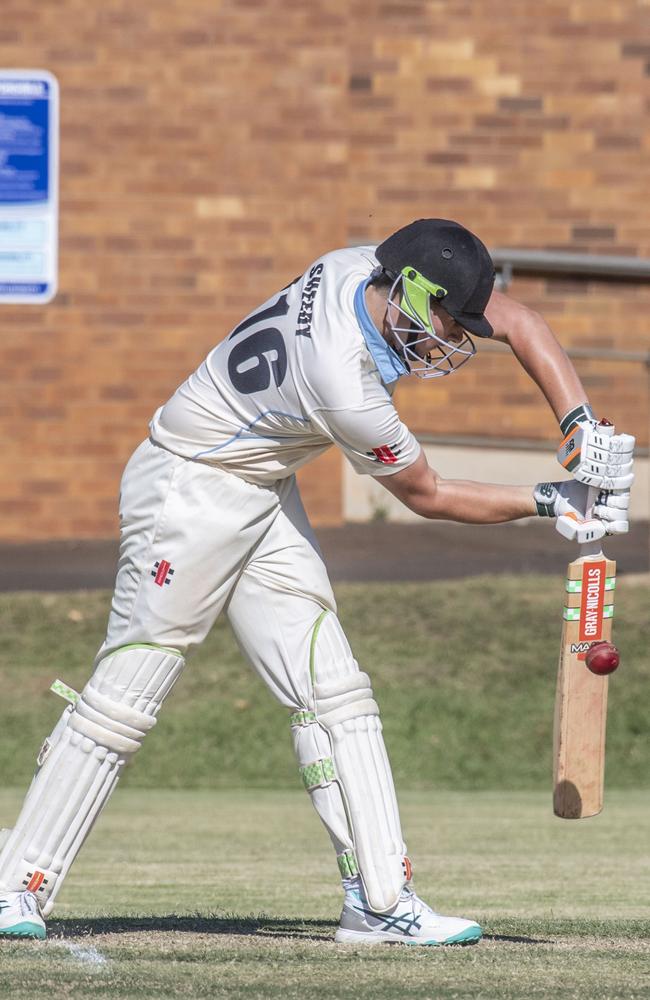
(513, 321)
(527, 324)
(431, 503)
(422, 496)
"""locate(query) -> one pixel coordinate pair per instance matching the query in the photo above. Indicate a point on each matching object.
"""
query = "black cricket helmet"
(439, 260)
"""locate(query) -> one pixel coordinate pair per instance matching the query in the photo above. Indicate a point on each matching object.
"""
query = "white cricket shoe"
(20, 915)
(410, 921)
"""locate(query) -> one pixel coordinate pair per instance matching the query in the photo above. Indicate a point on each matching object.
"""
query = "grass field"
(180, 893)
(210, 876)
(464, 672)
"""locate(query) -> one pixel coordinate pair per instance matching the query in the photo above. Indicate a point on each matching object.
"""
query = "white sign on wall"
(29, 185)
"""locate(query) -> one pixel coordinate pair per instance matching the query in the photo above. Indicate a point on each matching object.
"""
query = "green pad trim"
(347, 863)
(144, 645)
(320, 772)
(312, 646)
(302, 718)
(58, 687)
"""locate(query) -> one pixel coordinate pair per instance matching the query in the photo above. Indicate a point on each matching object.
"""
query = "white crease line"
(87, 956)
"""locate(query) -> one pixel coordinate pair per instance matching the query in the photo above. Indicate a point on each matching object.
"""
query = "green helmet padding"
(415, 300)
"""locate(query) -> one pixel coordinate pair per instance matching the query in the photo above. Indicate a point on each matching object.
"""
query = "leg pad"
(340, 749)
(80, 764)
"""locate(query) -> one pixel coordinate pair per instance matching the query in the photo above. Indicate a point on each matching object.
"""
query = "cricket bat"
(581, 695)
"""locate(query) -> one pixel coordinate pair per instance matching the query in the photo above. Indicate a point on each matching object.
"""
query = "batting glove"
(593, 453)
(612, 507)
(567, 502)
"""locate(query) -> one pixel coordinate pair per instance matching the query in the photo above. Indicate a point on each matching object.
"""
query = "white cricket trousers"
(196, 540)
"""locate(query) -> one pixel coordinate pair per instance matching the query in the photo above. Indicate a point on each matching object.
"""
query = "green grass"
(181, 894)
(215, 892)
(464, 672)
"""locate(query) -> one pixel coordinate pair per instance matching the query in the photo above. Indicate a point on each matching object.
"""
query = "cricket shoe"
(20, 915)
(410, 921)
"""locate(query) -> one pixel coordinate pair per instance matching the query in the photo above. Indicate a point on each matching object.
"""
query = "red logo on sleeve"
(385, 455)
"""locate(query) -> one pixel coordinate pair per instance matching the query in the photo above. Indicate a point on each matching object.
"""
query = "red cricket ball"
(603, 657)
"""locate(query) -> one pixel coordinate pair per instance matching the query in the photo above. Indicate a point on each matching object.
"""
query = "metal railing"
(588, 354)
(595, 353)
(509, 261)
(609, 267)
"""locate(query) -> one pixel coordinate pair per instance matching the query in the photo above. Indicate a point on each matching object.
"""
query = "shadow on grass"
(516, 939)
(312, 930)
(260, 927)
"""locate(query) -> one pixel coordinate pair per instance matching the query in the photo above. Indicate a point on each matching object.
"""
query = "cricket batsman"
(211, 521)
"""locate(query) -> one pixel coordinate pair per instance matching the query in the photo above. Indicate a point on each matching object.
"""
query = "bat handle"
(591, 548)
(592, 496)
(606, 427)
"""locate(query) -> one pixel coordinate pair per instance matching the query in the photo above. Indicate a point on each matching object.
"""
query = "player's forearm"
(538, 352)
(480, 503)
(465, 501)
(547, 363)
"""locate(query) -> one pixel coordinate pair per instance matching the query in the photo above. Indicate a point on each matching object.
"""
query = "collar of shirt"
(389, 364)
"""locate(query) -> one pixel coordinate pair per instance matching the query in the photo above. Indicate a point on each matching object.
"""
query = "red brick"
(210, 152)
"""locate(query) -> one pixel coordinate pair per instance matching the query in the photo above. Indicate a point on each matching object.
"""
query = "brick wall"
(528, 122)
(211, 149)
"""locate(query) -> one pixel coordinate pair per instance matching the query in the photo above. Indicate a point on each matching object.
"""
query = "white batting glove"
(593, 453)
(611, 507)
(567, 502)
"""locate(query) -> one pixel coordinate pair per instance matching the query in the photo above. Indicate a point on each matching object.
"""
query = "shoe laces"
(29, 903)
(354, 895)
(409, 895)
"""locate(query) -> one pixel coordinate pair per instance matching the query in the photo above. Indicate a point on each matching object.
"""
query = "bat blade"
(581, 697)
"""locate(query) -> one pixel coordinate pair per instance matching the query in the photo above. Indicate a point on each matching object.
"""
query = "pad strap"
(318, 774)
(65, 691)
(302, 718)
(347, 862)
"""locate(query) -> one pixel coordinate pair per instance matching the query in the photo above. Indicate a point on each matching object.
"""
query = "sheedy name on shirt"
(303, 325)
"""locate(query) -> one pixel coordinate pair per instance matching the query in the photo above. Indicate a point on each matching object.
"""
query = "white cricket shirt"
(300, 373)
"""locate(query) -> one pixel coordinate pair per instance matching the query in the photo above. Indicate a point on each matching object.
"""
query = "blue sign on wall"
(29, 154)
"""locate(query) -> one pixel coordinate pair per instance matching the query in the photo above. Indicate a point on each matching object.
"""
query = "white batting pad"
(314, 752)
(80, 764)
(349, 777)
